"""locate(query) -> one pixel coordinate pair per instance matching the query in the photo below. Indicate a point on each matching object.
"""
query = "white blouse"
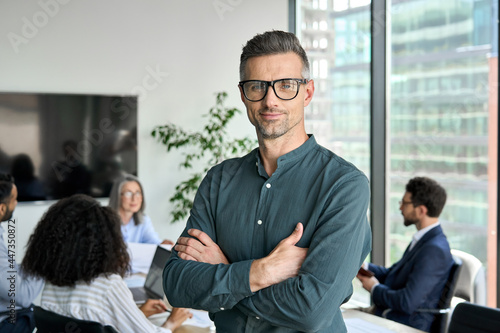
(104, 300)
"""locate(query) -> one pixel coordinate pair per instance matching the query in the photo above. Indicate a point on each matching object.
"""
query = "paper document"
(141, 256)
(200, 319)
(134, 280)
(356, 325)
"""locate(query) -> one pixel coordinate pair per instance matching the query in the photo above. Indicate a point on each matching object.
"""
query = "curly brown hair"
(76, 240)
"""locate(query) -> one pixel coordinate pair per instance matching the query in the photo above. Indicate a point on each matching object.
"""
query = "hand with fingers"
(153, 306)
(200, 247)
(282, 263)
(367, 281)
(177, 317)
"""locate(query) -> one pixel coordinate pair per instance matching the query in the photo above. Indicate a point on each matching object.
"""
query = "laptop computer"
(153, 286)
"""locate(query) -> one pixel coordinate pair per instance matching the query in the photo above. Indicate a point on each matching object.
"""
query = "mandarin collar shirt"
(247, 213)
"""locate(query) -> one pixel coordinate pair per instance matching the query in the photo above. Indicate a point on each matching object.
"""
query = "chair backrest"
(50, 322)
(473, 318)
(441, 318)
(472, 282)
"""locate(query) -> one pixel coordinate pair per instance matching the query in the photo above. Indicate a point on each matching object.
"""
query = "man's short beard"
(7, 216)
(270, 135)
(409, 222)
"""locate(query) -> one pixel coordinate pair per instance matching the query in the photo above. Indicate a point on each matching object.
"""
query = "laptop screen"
(154, 281)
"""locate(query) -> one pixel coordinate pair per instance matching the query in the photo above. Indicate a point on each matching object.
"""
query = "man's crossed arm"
(282, 263)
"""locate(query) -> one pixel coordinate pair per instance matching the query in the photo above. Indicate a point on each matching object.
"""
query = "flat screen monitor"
(56, 145)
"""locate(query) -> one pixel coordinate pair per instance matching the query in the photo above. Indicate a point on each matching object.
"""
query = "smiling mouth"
(271, 115)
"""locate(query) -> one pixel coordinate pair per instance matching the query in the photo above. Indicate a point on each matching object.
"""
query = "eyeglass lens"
(130, 194)
(285, 89)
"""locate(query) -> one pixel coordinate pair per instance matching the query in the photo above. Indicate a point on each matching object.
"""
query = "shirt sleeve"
(26, 288)
(380, 271)
(149, 235)
(341, 242)
(425, 276)
(200, 285)
(126, 315)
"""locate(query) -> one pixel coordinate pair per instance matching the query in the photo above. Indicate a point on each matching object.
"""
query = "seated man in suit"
(417, 279)
(16, 290)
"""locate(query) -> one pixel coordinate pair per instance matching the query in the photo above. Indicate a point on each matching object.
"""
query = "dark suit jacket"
(415, 281)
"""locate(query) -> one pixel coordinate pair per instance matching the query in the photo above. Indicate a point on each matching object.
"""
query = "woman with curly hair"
(78, 249)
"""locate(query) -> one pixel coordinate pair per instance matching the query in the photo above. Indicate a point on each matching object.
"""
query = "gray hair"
(115, 197)
(273, 42)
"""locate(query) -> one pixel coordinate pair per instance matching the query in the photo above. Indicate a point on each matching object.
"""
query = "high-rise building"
(441, 116)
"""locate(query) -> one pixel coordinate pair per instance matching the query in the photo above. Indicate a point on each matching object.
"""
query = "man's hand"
(282, 263)
(200, 248)
(368, 282)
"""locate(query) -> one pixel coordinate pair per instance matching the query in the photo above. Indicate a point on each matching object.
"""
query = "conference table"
(363, 322)
(356, 322)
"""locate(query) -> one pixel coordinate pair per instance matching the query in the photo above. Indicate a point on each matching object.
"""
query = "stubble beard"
(408, 221)
(7, 216)
(273, 129)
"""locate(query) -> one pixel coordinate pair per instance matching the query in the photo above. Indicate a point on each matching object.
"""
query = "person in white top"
(77, 247)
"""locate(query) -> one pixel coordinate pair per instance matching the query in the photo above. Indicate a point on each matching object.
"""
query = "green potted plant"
(211, 145)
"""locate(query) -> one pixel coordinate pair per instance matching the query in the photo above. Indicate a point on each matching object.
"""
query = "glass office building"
(441, 115)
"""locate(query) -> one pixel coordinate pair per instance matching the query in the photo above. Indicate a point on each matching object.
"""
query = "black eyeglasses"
(285, 89)
(402, 202)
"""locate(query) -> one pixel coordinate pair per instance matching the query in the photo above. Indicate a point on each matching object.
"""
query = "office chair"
(471, 284)
(473, 318)
(441, 314)
(51, 322)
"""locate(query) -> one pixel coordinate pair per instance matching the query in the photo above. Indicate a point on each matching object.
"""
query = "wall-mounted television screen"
(56, 145)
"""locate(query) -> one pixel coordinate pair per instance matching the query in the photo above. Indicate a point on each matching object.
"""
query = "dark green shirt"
(247, 213)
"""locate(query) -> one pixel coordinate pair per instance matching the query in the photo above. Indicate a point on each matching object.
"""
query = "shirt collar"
(294, 155)
(419, 234)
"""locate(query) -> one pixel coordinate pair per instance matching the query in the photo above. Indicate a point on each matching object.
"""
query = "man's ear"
(3, 209)
(241, 94)
(309, 92)
(421, 210)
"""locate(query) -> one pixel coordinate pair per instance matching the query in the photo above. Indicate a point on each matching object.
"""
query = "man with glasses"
(416, 281)
(274, 238)
(16, 292)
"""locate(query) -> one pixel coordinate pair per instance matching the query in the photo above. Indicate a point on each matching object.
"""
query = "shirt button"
(268, 185)
(259, 222)
(222, 308)
(257, 318)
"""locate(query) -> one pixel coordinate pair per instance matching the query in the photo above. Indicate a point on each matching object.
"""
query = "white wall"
(95, 46)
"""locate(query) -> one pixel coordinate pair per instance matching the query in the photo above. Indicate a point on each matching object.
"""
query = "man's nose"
(271, 99)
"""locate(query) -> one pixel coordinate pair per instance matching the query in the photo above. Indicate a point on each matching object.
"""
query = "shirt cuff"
(373, 288)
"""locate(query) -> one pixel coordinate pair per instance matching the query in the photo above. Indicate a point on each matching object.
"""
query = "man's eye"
(287, 85)
(257, 86)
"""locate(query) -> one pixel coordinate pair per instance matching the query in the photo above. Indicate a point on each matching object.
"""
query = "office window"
(439, 116)
(336, 37)
(441, 112)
